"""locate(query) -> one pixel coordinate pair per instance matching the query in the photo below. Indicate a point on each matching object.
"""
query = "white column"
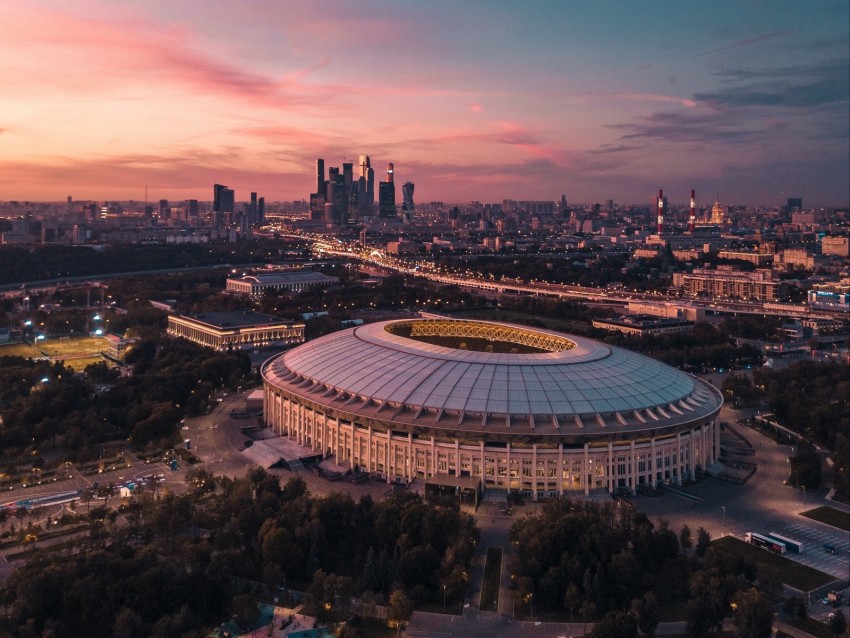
(483, 469)
(584, 479)
(652, 463)
(534, 471)
(559, 473)
(678, 464)
(411, 461)
(610, 466)
(508, 461)
(633, 473)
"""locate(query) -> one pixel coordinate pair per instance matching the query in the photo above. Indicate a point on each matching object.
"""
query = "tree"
(245, 611)
(685, 539)
(753, 615)
(703, 541)
(400, 608)
(615, 624)
(706, 605)
(837, 623)
(572, 599)
(646, 612)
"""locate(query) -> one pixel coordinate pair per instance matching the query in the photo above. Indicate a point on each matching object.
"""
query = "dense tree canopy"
(47, 405)
(156, 577)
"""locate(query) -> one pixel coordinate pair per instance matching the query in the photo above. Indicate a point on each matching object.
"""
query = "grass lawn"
(18, 350)
(77, 346)
(794, 574)
(830, 516)
(492, 574)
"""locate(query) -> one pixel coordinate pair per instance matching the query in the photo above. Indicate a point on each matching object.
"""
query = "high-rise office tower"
(252, 210)
(320, 176)
(366, 194)
(223, 204)
(336, 195)
(261, 211)
(192, 210)
(386, 194)
(348, 173)
(407, 200)
(386, 200)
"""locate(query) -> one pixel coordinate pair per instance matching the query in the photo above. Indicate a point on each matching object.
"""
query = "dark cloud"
(687, 127)
(746, 42)
(792, 87)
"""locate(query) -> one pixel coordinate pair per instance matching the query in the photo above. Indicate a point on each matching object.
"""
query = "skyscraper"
(366, 186)
(337, 195)
(223, 203)
(386, 195)
(407, 200)
(320, 176)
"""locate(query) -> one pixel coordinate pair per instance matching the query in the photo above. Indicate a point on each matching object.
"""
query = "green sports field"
(19, 350)
(74, 352)
(72, 347)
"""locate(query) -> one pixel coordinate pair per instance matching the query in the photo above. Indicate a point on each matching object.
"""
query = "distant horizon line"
(685, 202)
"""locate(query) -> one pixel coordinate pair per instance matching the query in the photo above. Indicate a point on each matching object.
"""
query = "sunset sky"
(471, 99)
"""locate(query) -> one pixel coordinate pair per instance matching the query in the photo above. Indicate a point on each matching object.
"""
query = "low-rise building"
(293, 281)
(234, 330)
(835, 246)
(726, 282)
(759, 259)
(644, 325)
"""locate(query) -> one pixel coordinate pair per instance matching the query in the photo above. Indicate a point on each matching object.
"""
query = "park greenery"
(32, 263)
(178, 565)
(595, 560)
(46, 409)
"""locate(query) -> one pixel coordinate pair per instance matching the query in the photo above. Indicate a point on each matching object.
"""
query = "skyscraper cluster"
(225, 214)
(340, 199)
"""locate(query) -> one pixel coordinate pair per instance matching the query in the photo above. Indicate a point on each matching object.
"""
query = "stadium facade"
(523, 409)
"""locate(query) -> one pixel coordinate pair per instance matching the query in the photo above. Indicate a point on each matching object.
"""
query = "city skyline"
(746, 102)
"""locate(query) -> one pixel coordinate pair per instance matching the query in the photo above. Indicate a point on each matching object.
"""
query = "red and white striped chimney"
(693, 220)
(660, 211)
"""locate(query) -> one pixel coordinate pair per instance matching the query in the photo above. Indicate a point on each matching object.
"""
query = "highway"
(477, 282)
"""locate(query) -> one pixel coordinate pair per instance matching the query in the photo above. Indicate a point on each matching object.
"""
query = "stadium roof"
(588, 380)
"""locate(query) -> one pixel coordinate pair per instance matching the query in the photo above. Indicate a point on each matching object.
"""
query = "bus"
(765, 542)
(795, 547)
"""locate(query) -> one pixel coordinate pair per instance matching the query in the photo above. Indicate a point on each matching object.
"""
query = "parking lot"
(813, 535)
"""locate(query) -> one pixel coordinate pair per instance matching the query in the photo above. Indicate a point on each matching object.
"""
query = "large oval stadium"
(522, 409)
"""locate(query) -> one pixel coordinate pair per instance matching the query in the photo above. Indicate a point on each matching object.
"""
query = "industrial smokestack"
(692, 222)
(660, 211)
